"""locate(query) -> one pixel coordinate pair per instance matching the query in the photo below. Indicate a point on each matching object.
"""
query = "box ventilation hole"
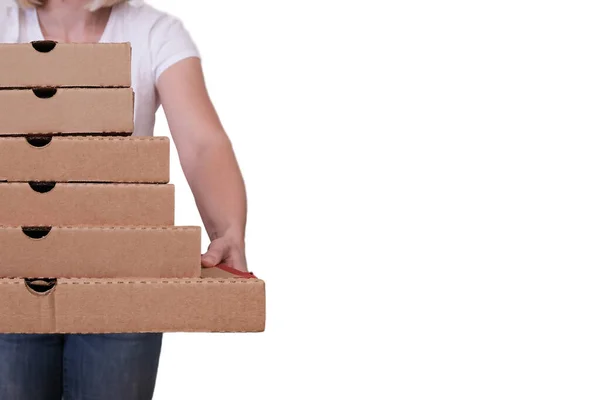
(36, 232)
(39, 141)
(44, 46)
(42, 187)
(40, 286)
(45, 93)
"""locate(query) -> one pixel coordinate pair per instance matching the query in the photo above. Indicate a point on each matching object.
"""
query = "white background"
(424, 198)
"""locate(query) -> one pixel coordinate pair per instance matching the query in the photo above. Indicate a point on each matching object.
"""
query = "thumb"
(214, 255)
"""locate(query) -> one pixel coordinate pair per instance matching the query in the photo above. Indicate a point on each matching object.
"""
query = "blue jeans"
(79, 367)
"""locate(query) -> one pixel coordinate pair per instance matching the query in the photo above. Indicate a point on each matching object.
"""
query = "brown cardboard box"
(85, 159)
(132, 305)
(66, 111)
(49, 204)
(100, 252)
(47, 63)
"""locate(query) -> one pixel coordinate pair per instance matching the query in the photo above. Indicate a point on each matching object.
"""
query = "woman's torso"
(148, 30)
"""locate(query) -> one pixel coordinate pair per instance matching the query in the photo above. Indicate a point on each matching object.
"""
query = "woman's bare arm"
(208, 161)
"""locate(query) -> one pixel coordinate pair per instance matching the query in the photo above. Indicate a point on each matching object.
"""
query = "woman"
(166, 69)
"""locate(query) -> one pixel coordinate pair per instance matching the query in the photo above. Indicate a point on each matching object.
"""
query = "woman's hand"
(226, 250)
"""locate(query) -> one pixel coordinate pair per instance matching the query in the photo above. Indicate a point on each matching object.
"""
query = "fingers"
(237, 261)
(222, 251)
(215, 254)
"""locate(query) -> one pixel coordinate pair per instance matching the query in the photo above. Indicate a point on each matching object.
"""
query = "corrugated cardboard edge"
(114, 228)
(94, 137)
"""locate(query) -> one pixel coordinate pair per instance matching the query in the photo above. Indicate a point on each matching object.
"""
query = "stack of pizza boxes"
(87, 236)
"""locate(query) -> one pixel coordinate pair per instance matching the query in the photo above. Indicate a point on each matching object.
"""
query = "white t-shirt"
(158, 41)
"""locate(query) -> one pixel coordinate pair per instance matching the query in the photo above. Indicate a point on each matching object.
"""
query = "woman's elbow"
(202, 147)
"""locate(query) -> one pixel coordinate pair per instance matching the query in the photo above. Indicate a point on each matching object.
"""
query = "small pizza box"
(62, 111)
(100, 252)
(85, 159)
(48, 63)
(56, 204)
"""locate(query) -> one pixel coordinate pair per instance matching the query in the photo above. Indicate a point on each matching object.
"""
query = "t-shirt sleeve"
(170, 42)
